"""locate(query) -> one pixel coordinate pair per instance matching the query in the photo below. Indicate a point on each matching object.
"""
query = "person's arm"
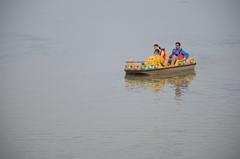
(162, 52)
(186, 54)
(172, 54)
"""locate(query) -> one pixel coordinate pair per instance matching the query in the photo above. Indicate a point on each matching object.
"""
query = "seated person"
(178, 54)
(161, 52)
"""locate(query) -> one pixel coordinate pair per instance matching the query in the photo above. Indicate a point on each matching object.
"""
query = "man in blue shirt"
(178, 54)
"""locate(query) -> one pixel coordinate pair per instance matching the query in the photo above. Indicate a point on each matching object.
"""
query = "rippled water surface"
(64, 94)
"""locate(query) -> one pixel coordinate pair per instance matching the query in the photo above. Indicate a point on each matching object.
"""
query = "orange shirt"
(165, 55)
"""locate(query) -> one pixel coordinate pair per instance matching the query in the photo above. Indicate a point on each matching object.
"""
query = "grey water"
(64, 94)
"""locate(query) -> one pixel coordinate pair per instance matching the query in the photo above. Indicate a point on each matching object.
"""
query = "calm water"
(63, 92)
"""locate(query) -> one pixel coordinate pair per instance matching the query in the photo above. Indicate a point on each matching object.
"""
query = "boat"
(153, 65)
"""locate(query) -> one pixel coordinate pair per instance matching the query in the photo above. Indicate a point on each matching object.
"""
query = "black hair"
(178, 43)
(156, 45)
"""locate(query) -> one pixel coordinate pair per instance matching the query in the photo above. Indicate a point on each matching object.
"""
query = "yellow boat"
(153, 65)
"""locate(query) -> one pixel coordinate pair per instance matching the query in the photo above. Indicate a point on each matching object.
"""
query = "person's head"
(156, 46)
(178, 45)
(156, 51)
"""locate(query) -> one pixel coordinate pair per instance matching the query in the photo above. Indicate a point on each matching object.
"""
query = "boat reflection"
(179, 82)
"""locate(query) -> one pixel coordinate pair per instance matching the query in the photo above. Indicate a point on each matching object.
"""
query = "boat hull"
(164, 71)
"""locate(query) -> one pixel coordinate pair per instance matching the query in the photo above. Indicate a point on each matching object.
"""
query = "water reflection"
(156, 83)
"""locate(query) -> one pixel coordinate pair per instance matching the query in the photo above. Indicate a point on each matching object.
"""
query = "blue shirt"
(181, 51)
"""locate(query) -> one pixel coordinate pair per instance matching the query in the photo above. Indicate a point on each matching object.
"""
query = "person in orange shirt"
(161, 52)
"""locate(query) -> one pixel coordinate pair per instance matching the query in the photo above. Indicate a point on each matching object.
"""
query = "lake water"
(64, 94)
